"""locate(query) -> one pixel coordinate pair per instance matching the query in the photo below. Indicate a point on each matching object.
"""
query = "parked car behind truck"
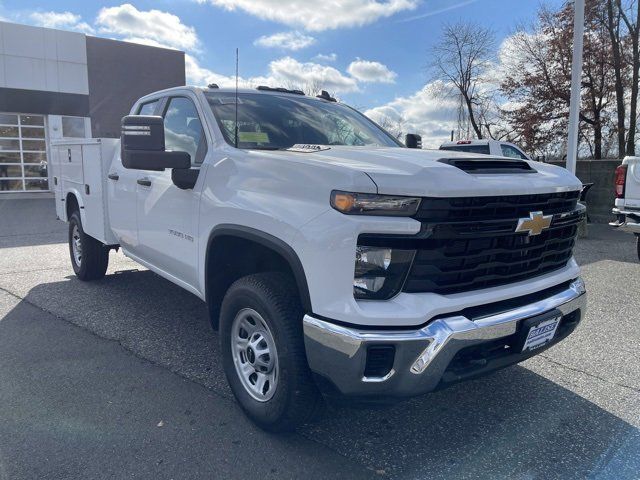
(333, 260)
(627, 203)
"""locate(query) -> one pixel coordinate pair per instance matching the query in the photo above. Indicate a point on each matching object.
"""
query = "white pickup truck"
(627, 203)
(333, 259)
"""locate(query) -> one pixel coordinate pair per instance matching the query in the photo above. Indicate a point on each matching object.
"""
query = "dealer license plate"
(541, 333)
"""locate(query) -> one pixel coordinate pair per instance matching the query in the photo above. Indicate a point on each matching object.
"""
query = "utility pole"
(576, 84)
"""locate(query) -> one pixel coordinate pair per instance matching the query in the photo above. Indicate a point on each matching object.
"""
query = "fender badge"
(307, 148)
(535, 224)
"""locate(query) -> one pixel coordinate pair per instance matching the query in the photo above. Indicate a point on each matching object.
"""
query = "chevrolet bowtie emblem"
(535, 224)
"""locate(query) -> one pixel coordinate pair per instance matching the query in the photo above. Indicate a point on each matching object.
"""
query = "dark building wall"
(45, 103)
(120, 73)
(601, 196)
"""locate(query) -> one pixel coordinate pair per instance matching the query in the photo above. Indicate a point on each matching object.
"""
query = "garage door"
(23, 153)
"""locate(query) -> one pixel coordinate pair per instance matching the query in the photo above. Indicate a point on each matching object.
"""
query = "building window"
(73, 127)
(23, 153)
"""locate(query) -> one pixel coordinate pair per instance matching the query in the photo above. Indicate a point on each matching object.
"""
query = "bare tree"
(539, 78)
(461, 59)
(395, 127)
(632, 22)
(611, 18)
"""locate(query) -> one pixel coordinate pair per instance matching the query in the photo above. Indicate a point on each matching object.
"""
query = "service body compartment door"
(94, 224)
(71, 163)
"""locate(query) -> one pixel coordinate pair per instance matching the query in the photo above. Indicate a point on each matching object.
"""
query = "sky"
(372, 54)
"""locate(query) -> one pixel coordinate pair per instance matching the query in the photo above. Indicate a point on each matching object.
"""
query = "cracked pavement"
(89, 370)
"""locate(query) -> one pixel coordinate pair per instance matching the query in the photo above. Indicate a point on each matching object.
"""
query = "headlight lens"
(380, 272)
(372, 204)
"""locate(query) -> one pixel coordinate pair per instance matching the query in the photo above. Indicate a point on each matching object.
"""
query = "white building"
(57, 84)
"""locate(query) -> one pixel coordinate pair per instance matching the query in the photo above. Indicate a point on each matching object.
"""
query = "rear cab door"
(167, 216)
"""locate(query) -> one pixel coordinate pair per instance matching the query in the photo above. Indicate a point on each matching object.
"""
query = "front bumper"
(446, 350)
(628, 220)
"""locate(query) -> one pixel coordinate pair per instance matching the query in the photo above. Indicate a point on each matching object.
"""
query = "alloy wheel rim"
(76, 245)
(254, 354)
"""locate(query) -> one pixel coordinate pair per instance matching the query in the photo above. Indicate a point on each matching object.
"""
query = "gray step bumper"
(422, 356)
(628, 220)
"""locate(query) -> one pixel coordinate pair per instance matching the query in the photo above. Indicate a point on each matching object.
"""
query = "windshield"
(281, 121)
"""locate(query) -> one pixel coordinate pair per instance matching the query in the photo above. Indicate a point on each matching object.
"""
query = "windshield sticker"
(305, 148)
(253, 137)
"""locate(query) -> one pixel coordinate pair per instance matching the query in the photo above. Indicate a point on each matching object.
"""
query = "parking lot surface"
(122, 378)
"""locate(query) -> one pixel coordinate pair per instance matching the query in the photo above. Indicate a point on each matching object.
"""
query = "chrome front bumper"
(422, 356)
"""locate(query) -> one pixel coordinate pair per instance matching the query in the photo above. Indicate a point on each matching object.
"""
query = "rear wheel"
(263, 352)
(89, 257)
(638, 245)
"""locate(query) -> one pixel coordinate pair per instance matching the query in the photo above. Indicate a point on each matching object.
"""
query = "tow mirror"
(411, 140)
(142, 145)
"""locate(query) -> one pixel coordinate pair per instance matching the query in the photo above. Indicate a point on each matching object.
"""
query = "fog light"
(380, 271)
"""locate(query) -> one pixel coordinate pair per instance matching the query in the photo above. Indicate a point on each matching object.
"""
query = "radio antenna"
(236, 135)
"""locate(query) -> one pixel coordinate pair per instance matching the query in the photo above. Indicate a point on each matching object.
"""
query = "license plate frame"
(539, 331)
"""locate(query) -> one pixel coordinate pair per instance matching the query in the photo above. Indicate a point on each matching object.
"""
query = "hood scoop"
(489, 166)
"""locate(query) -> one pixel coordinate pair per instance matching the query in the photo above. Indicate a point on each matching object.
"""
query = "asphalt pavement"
(122, 378)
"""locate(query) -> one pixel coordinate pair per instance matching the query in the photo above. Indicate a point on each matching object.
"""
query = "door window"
(183, 129)
(511, 152)
(148, 108)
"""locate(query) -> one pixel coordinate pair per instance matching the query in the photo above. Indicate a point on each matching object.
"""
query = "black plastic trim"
(269, 241)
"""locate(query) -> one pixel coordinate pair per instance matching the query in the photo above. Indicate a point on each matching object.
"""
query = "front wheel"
(89, 257)
(263, 352)
(638, 245)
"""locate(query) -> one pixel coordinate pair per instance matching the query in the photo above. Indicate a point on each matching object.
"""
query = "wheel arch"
(239, 236)
(73, 200)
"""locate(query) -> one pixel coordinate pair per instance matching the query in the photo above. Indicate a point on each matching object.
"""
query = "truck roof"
(262, 90)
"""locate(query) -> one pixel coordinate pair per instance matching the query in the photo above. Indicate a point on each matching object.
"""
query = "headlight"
(372, 204)
(380, 272)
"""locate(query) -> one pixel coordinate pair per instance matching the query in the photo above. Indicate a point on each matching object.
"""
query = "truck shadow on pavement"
(514, 423)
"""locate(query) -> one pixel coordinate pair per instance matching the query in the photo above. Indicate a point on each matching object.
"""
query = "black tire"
(296, 399)
(638, 245)
(94, 257)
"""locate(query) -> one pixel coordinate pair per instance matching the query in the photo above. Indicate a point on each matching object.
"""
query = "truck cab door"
(168, 215)
(122, 191)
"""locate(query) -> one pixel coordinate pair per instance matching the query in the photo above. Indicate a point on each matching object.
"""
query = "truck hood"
(403, 171)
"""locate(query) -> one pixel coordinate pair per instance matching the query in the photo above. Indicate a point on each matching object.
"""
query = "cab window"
(511, 152)
(183, 129)
(148, 108)
(482, 149)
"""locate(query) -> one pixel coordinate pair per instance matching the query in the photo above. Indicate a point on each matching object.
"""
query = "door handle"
(113, 176)
(144, 182)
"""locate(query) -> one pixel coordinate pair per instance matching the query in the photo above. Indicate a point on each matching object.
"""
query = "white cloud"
(293, 72)
(60, 20)
(284, 72)
(424, 112)
(318, 16)
(285, 40)
(155, 25)
(368, 71)
(321, 57)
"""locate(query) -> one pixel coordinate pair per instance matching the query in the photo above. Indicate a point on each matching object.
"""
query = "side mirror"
(142, 145)
(411, 140)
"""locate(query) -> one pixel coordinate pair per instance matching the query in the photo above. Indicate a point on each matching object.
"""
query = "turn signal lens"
(372, 204)
(621, 179)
